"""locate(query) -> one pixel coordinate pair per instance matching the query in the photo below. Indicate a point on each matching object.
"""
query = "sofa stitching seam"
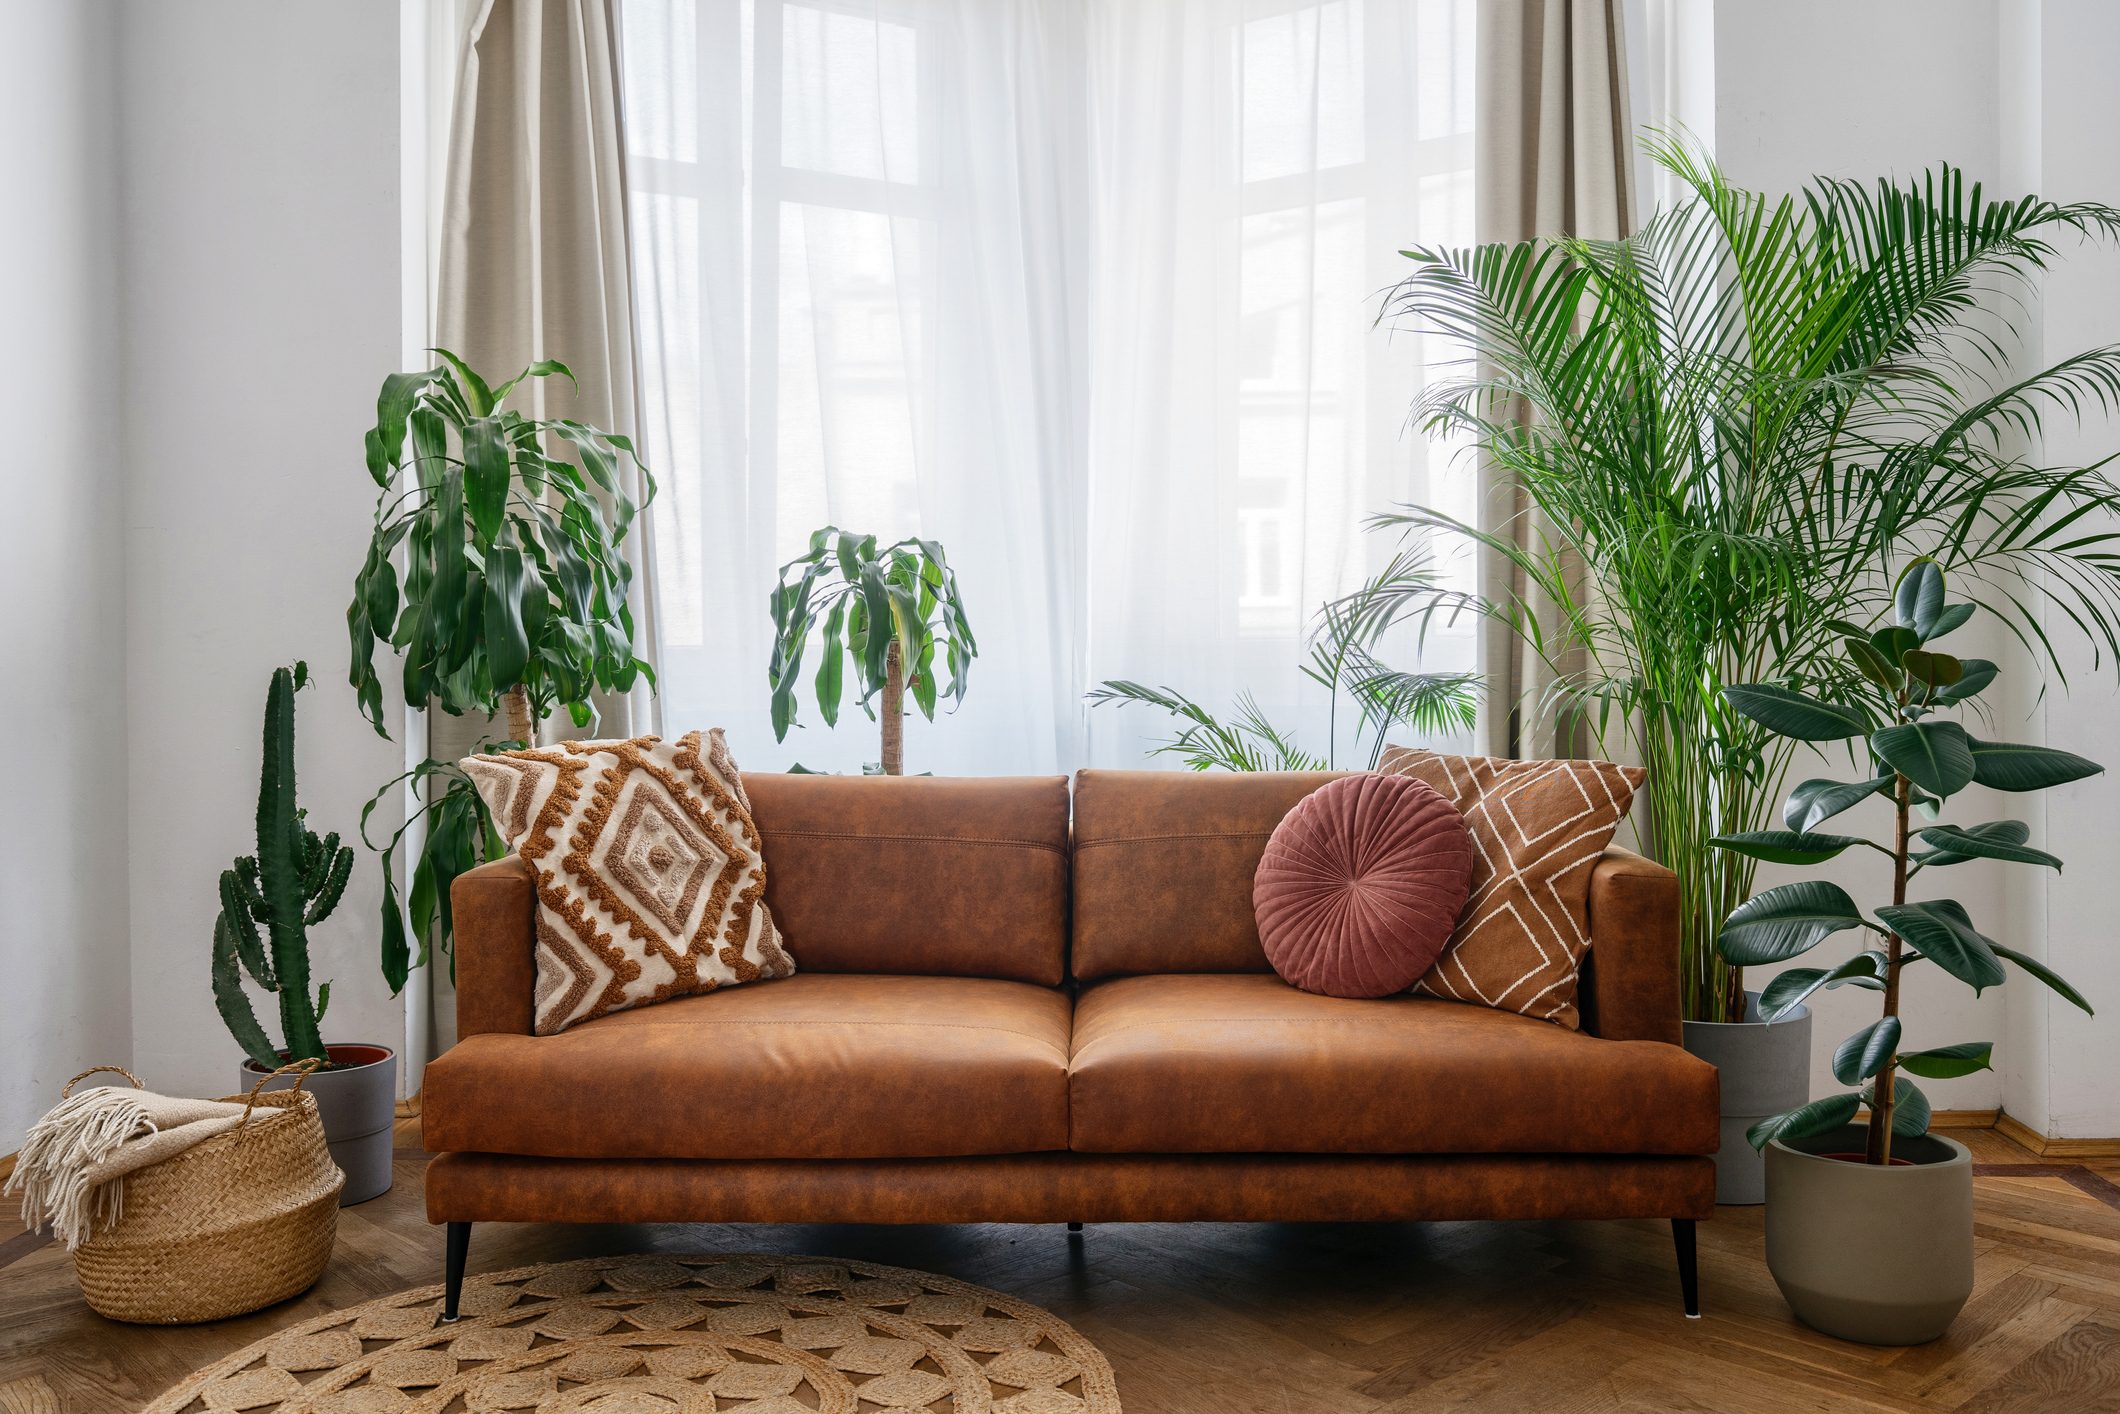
(1082, 844)
(914, 1025)
(915, 839)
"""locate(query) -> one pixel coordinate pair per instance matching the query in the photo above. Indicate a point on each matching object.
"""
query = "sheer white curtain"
(1083, 289)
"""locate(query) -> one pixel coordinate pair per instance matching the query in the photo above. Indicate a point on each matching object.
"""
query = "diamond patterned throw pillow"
(1538, 829)
(650, 883)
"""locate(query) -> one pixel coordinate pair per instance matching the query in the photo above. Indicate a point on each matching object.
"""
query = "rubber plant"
(1919, 760)
(886, 609)
(293, 881)
(1712, 434)
(512, 602)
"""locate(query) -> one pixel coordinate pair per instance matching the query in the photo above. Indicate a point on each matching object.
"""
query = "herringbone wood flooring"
(1560, 1318)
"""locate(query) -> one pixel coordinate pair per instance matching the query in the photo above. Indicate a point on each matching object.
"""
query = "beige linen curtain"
(1553, 156)
(534, 263)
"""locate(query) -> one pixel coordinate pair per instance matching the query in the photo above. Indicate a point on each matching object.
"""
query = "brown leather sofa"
(1005, 1016)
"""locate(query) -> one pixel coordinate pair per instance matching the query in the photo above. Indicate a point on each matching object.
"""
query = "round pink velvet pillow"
(1361, 885)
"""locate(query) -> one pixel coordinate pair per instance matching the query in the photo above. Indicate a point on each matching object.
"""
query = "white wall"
(2018, 92)
(2060, 113)
(62, 575)
(1789, 106)
(260, 254)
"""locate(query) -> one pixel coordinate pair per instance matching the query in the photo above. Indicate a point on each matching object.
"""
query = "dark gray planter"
(1766, 1068)
(357, 1100)
(1881, 1255)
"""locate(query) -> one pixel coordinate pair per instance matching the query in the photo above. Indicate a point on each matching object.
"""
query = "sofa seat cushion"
(1237, 1063)
(819, 1066)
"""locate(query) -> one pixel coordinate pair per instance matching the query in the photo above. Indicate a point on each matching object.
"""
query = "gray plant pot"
(1766, 1068)
(357, 1100)
(1879, 1255)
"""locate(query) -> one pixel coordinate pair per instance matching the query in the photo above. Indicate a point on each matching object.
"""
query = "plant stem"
(1886, 1079)
(893, 711)
(522, 722)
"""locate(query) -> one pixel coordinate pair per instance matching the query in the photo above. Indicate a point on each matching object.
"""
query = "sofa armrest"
(1630, 976)
(494, 909)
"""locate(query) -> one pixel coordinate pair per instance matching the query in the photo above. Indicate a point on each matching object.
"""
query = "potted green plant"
(512, 601)
(269, 901)
(886, 609)
(1712, 433)
(1870, 1225)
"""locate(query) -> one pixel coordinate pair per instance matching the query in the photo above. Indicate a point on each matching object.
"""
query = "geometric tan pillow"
(1538, 829)
(650, 882)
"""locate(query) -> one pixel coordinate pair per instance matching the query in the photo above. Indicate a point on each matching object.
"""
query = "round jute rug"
(672, 1335)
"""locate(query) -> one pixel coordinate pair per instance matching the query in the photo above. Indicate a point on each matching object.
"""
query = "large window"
(1084, 289)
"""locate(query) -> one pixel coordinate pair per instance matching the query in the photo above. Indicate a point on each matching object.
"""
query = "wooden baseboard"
(2027, 1137)
(1964, 1119)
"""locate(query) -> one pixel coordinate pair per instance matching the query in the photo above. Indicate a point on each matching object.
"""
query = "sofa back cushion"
(1163, 868)
(933, 876)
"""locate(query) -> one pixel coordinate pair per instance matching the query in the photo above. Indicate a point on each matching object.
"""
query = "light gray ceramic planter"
(357, 1100)
(1867, 1253)
(1766, 1069)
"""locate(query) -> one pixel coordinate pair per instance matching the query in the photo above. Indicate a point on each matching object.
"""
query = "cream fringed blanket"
(71, 1171)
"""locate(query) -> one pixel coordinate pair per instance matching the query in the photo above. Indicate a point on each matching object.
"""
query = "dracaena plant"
(886, 609)
(512, 602)
(1893, 700)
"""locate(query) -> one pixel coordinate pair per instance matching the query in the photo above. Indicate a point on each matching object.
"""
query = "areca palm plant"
(1729, 431)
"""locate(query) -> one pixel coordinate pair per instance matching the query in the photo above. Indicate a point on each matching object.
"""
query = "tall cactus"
(295, 879)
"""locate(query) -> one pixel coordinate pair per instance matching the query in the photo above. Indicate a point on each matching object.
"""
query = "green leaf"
(1952, 617)
(1786, 846)
(2008, 766)
(1944, 932)
(1949, 1062)
(1786, 921)
(1974, 676)
(1873, 664)
(1918, 599)
(1895, 642)
(1910, 1108)
(507, 641)
(1932, 670)
(1999, 839)
(1794, 985)
(397, 957)
(1863, 1054)
(831, 667)
(1819, 800)
(1937, 756)
(1792, 714)
(487, 472)
(1817, 1117)
(477, 396)
(2045, 974)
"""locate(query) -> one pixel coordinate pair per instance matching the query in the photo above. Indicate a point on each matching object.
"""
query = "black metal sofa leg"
(1682, 1237)
(453, 1271)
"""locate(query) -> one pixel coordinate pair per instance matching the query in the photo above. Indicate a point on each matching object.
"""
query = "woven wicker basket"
(238, 1222)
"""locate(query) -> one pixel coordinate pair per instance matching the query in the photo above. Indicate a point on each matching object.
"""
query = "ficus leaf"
(1944, 932)
(1918, 598)
(1817, 1117)
(2009, 766)
(1816, 801)
(1863, 1054)
(1786, 846)
(1937, 756)
(1783, 922)
(1793, 714)
(2044, 974)
(2000, 839)
(1949, 1062)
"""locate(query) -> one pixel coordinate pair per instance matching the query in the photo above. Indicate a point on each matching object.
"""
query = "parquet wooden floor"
(1559, 1318)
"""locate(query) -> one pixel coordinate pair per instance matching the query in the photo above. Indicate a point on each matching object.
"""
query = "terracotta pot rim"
(385, 1056)
(1960, 1156)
